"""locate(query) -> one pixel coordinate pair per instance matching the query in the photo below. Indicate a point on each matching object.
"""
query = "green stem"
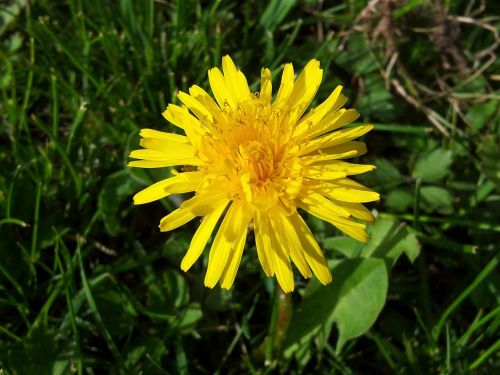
(36, 215)
(440, 220)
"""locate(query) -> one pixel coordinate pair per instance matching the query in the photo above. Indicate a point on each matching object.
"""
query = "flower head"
(252, 162)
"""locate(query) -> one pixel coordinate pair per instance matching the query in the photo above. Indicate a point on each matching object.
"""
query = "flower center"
(257, 159)
(253, 150)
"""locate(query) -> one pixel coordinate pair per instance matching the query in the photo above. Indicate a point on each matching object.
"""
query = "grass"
(88, 284)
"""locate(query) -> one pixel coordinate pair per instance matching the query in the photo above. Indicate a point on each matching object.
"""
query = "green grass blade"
(97, 316)
(488, 269)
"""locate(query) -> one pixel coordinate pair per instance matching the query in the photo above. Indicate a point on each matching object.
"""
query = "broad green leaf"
(411, 246)
(433, 166)
(117, 187)
(344, 245)
(188, 317)
(388, 240)
(167, 293)
(9, 12)
(116, 310)
(144, 348)
(168, 300)
(39, 353)
(357, 57)
(362, 299)
(489, 152)
(478, 115)
(387, 169)
(352, 302)
(435, 198)
(377, 100)
(174, 288)
(399, 200)
(14, 42)
(218, 300)
(478, 84)
(10, 45)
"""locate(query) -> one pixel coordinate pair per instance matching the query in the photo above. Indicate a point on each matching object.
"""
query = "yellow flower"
(253, 162)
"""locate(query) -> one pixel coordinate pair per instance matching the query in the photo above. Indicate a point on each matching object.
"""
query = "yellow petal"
(287, 236)
(176, 219)
(319, 209)
(344, 151)
(354, 232)
(229, 273)
(306, 86)
(336, 138)
(234, 228)
(168, 147)
(165, 159)
(153, 163)
(281, 265)
(312, 252)
(151, 133)
(263, 242)
(320, 206)
(348, 191)
(201, 237)
(358, 211)
(206, 100)
(333, 167)
(266, 86)
(180, 116)
(317, 113)
(286, 86)
(320, 172)
(222, 245)
(339, 103)
(205, 201)
(181, 183)
(150, 154)
(235, 80)
(175, 115)
(196, 107)
(332, 121)
(221, 92)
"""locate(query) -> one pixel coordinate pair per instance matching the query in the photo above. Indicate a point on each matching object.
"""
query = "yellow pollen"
(256, 158)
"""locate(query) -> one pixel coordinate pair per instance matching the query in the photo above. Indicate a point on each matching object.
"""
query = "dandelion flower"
(252, 161)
